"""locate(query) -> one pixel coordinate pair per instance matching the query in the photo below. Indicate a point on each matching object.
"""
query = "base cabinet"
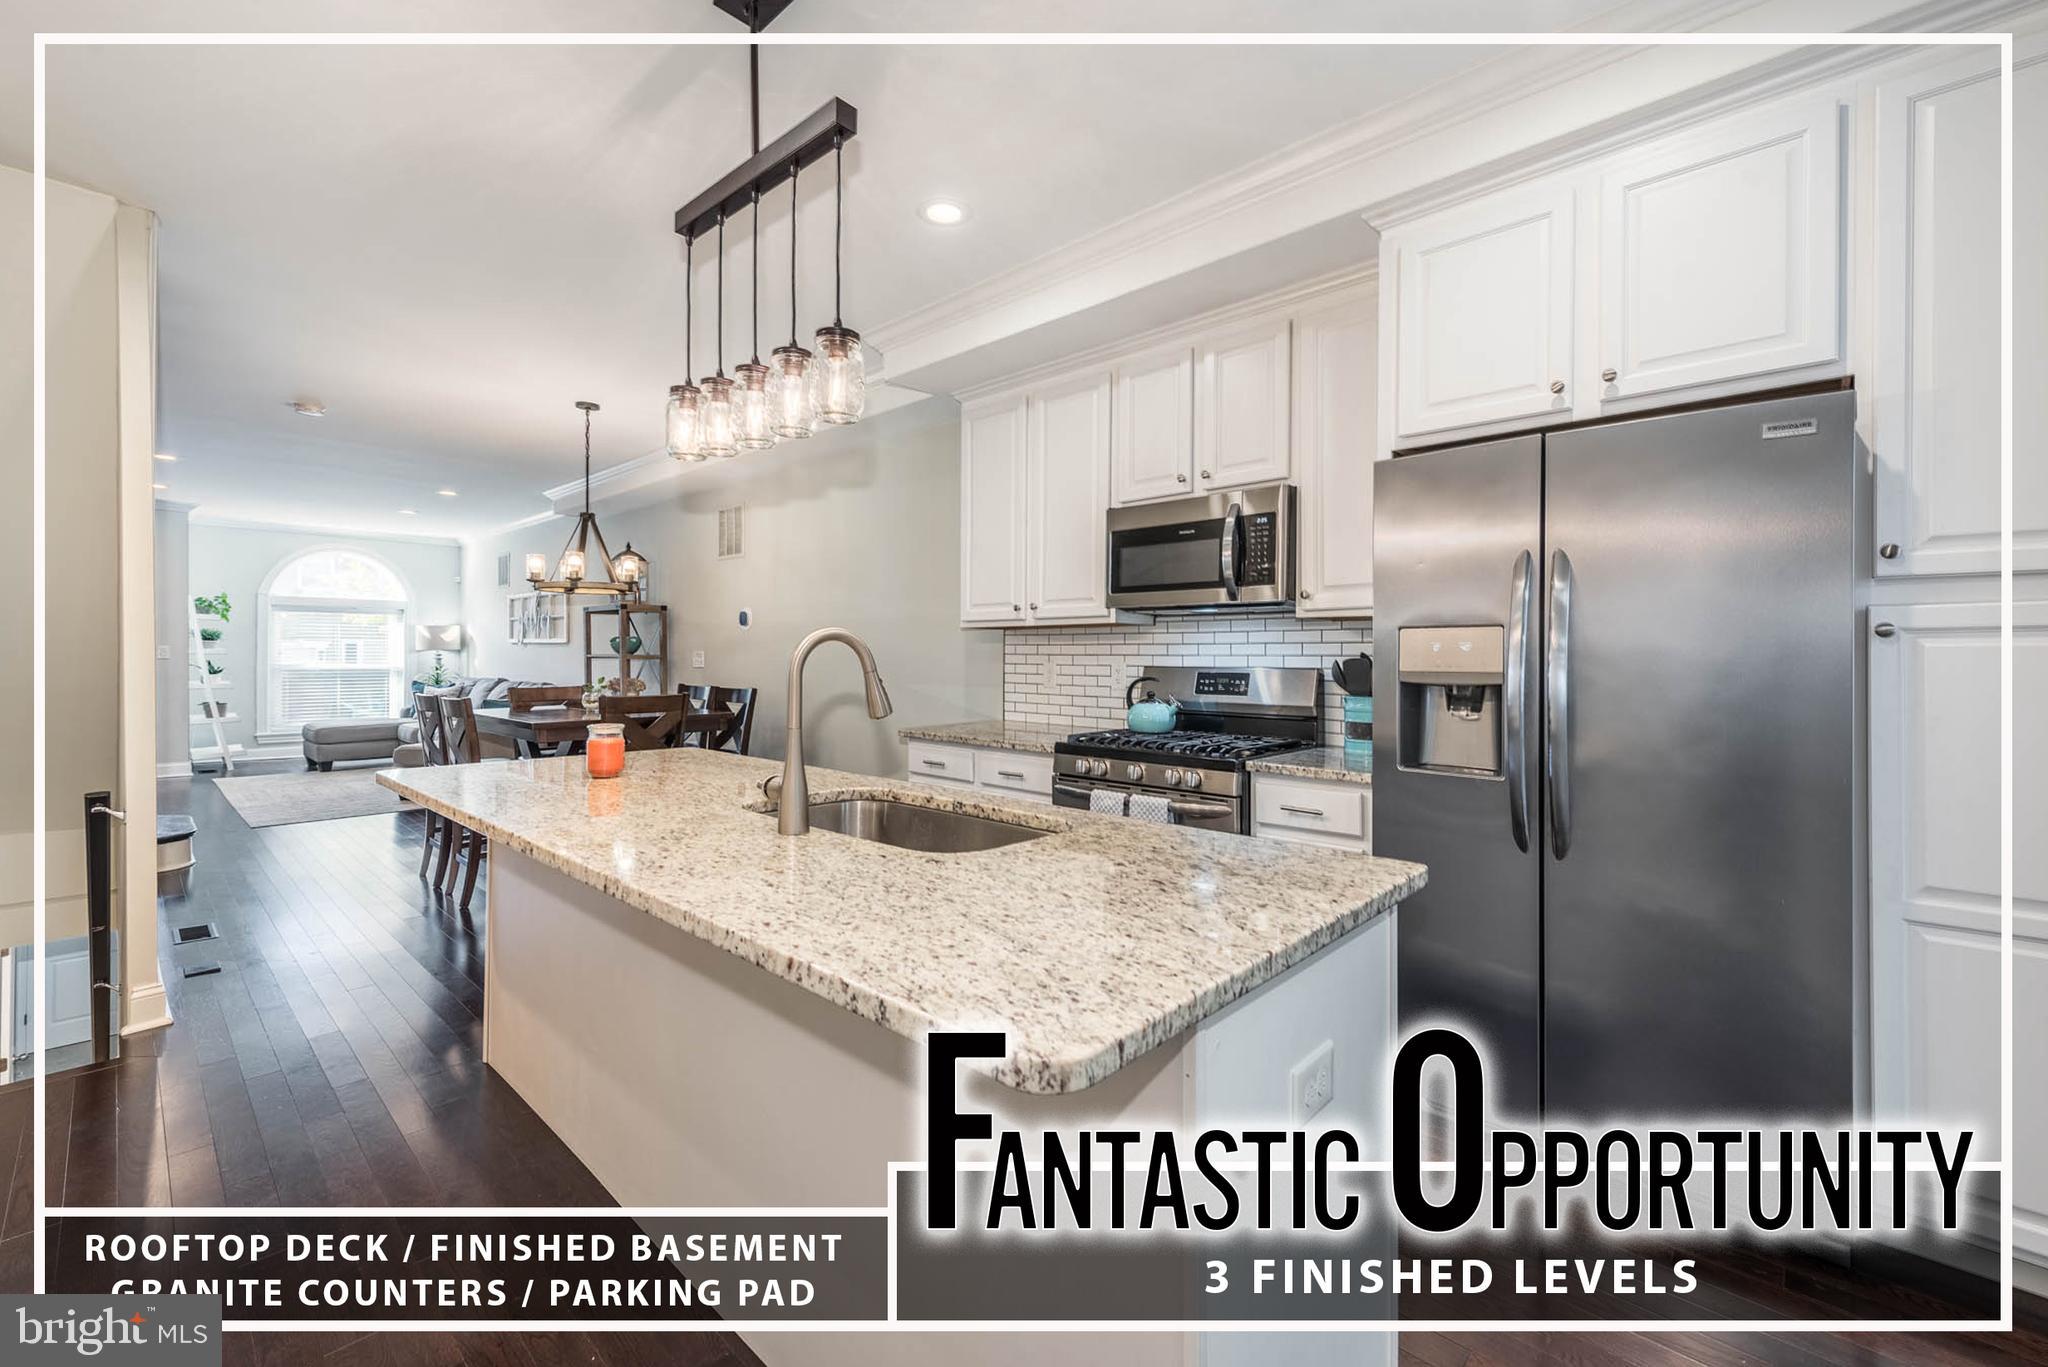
(1312, 812)
(1934, 839)
(971, 768)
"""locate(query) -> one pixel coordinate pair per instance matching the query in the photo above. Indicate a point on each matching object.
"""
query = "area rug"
(286, 799)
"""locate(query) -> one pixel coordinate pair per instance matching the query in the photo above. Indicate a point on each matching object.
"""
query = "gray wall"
(857, 528)
(238, 560)
(176, 700)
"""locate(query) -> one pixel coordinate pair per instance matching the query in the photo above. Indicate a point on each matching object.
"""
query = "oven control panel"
(1170, 775)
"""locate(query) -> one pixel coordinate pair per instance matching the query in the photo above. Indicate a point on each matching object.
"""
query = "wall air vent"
(728, 533)
(505, 570)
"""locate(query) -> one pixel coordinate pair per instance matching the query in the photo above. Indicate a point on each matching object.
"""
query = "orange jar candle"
(604, 753)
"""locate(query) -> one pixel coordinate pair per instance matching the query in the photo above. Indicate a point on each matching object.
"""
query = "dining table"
(560, 729)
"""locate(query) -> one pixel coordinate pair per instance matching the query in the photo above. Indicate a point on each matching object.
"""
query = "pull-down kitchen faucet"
(793, 815)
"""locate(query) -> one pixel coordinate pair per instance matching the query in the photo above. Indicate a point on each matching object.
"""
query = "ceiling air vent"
(728, 533)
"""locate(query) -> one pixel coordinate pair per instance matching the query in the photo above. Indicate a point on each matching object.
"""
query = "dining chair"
(434, 749)
(543, 695)
(737, 733)
(652, 721)
(450, 722)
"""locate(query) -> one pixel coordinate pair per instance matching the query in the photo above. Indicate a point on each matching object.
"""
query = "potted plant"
(216, 606)
(214, 669)
(595, 691)
(210, 634)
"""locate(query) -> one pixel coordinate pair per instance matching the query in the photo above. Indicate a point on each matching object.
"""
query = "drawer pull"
(935, 764)
(1302, 811)
(1017, 774)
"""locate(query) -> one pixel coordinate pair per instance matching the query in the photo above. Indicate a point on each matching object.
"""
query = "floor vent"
(193, 934)
(728, 533)
(202, 970)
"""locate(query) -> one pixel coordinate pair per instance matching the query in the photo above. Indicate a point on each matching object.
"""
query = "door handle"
(1198, 810)
(1230, 520)
(1514, 696)
(1557, 708)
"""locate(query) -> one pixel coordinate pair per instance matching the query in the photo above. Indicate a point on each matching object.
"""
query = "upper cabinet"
(1935, 409)
(992, 489)
(1480, 299)
(1334, 444)
(1720, 253)
(1066, 544)
(1686, 267)
(1241, 407)
(1155, 427)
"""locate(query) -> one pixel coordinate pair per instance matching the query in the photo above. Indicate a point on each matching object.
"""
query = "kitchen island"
(712, 1014)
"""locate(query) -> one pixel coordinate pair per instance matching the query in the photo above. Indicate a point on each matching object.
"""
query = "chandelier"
(586, 567)
(796, 389)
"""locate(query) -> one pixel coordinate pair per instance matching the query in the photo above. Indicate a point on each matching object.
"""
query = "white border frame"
(38, 577)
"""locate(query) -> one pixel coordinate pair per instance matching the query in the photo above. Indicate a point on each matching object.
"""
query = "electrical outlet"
(1311, 1082)
(696, 659)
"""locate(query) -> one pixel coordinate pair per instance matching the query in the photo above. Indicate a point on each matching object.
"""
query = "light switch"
(696, 659)
(163, 652)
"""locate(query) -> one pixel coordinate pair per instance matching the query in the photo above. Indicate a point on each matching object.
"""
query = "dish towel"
(1152, 807)
(1107, 801)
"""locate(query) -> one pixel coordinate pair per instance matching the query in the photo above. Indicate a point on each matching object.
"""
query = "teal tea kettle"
(1150, 715)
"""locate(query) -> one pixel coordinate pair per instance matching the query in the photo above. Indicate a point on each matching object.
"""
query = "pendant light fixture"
(798, 389)
(685, 425)
(789, 368)
(719, 439)
(585, 566)
(750, 396)
(841, 375)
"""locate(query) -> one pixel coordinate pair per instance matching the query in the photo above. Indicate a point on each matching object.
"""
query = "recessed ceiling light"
(944, 212)
(445, 493)
(309, 408)
(163, 455)
(407, 512)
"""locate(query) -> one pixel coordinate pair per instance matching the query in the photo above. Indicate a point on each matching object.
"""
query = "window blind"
(331, 663)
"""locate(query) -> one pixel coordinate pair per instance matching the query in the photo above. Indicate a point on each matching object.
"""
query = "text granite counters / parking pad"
(1089, 947)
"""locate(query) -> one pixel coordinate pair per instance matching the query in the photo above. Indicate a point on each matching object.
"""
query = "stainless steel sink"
(931, 829)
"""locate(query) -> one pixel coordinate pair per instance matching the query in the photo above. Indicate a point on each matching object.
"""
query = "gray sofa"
(393, 738)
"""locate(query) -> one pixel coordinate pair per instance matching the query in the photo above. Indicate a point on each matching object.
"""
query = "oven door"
(1220, 550)
(1208, 813)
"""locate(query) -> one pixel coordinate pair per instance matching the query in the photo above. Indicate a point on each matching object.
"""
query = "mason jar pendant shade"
(751, 429)
(686, 422)
(720, 436)
(790, 412)
(839, 376)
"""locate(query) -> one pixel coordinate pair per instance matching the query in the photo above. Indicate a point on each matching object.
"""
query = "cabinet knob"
(1014, 607)
(1181, 478)
(1608, 374)
(1205, 474)
(1557, 386)
(1889, 550)
(1885, 629)
(1034, 607)
(1305, 594)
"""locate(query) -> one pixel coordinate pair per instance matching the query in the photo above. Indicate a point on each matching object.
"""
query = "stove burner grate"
(1193, 744)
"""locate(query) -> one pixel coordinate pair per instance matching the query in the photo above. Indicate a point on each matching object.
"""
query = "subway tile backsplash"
(1075, 676)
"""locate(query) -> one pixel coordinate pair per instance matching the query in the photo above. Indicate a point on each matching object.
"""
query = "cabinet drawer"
(1009, 771)
(951, 762)
(1335, 809)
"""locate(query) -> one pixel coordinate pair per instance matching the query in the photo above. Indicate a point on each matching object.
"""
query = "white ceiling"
(448, 245)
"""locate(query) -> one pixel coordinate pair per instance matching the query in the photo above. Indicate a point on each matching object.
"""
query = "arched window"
(334, 639)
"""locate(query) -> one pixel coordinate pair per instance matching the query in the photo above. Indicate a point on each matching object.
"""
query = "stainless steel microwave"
(1221, 550)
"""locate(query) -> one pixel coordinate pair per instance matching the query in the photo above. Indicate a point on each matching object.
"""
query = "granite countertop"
(992, 735)
(1324, 762)
(1089, 946)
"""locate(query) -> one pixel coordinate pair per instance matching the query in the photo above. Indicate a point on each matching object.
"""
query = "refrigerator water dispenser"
(1450, 681)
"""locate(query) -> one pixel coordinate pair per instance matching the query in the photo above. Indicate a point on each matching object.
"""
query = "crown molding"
(244, 524)
(1230, 315)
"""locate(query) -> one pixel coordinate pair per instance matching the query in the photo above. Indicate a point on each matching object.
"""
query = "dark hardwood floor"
(334, 1060)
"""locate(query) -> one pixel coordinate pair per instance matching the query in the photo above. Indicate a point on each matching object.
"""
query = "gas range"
(1193, 775)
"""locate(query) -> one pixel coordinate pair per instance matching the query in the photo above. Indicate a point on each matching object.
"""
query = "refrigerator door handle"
(1557, 735)
(1515, 696)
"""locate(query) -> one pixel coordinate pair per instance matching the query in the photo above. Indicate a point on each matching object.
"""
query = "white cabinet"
(1242, 404)
(1016, 774)
(1934, 838)
(1155, 413)
(1312, 812)
(1067, 477)
(1335, 349)
(1480, 302)
(1720, 253)
(992, 530)
(1935, 404)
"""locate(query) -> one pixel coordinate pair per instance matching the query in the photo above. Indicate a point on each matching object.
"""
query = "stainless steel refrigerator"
(1616, 702)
